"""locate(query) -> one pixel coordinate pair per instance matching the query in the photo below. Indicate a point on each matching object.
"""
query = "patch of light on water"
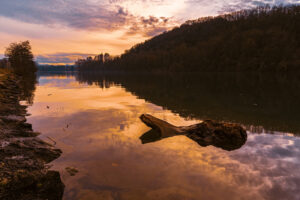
(98, 131)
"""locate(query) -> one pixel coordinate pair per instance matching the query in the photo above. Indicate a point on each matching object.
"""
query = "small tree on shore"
(20, 57)
(21, 61)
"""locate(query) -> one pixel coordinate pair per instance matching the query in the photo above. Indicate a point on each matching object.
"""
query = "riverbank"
(24, 173)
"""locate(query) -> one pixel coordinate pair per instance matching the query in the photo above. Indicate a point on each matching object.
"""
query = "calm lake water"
(95, 122)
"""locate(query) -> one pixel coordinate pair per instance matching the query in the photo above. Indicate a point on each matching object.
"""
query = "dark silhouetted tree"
(21, 61)
(21, 58)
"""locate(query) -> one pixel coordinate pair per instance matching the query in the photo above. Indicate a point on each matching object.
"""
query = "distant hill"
(261, 39)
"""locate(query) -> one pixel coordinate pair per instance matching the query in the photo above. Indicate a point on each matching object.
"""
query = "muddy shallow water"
(98, 130)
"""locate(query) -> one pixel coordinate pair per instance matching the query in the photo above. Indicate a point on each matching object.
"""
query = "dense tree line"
(262, 39)
(93, 63)
(55, 68)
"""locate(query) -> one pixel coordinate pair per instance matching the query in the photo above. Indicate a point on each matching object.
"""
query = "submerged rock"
(72, 171)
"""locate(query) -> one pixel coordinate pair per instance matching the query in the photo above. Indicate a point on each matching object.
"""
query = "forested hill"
(262, 39)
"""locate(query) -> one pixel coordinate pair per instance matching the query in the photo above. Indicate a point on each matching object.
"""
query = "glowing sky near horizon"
(61, 31)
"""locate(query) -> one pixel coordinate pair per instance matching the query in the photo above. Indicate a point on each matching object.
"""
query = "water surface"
(97, 126)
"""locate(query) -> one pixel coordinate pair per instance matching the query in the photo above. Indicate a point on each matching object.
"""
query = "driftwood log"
(227, 136)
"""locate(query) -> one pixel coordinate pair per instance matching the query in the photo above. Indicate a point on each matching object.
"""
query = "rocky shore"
(24, 173)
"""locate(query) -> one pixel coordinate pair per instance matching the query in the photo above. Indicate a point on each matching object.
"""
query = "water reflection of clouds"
(275, 160)
(102, 141)
(60, 82)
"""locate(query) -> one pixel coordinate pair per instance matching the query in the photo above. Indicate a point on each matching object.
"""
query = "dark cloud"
(121, 11)
(61, 57)
(82, 15)
(79, 14)
(150, 26)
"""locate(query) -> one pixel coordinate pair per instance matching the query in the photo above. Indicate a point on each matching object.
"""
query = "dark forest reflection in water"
(259, 101)
(102, 139)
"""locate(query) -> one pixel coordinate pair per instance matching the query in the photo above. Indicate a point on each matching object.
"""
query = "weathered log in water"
(227, 136)
(23, 173)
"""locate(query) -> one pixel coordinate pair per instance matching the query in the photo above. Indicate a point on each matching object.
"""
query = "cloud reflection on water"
(102, 142)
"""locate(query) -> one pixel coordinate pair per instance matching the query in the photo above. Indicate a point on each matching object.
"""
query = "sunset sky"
(62, 31)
